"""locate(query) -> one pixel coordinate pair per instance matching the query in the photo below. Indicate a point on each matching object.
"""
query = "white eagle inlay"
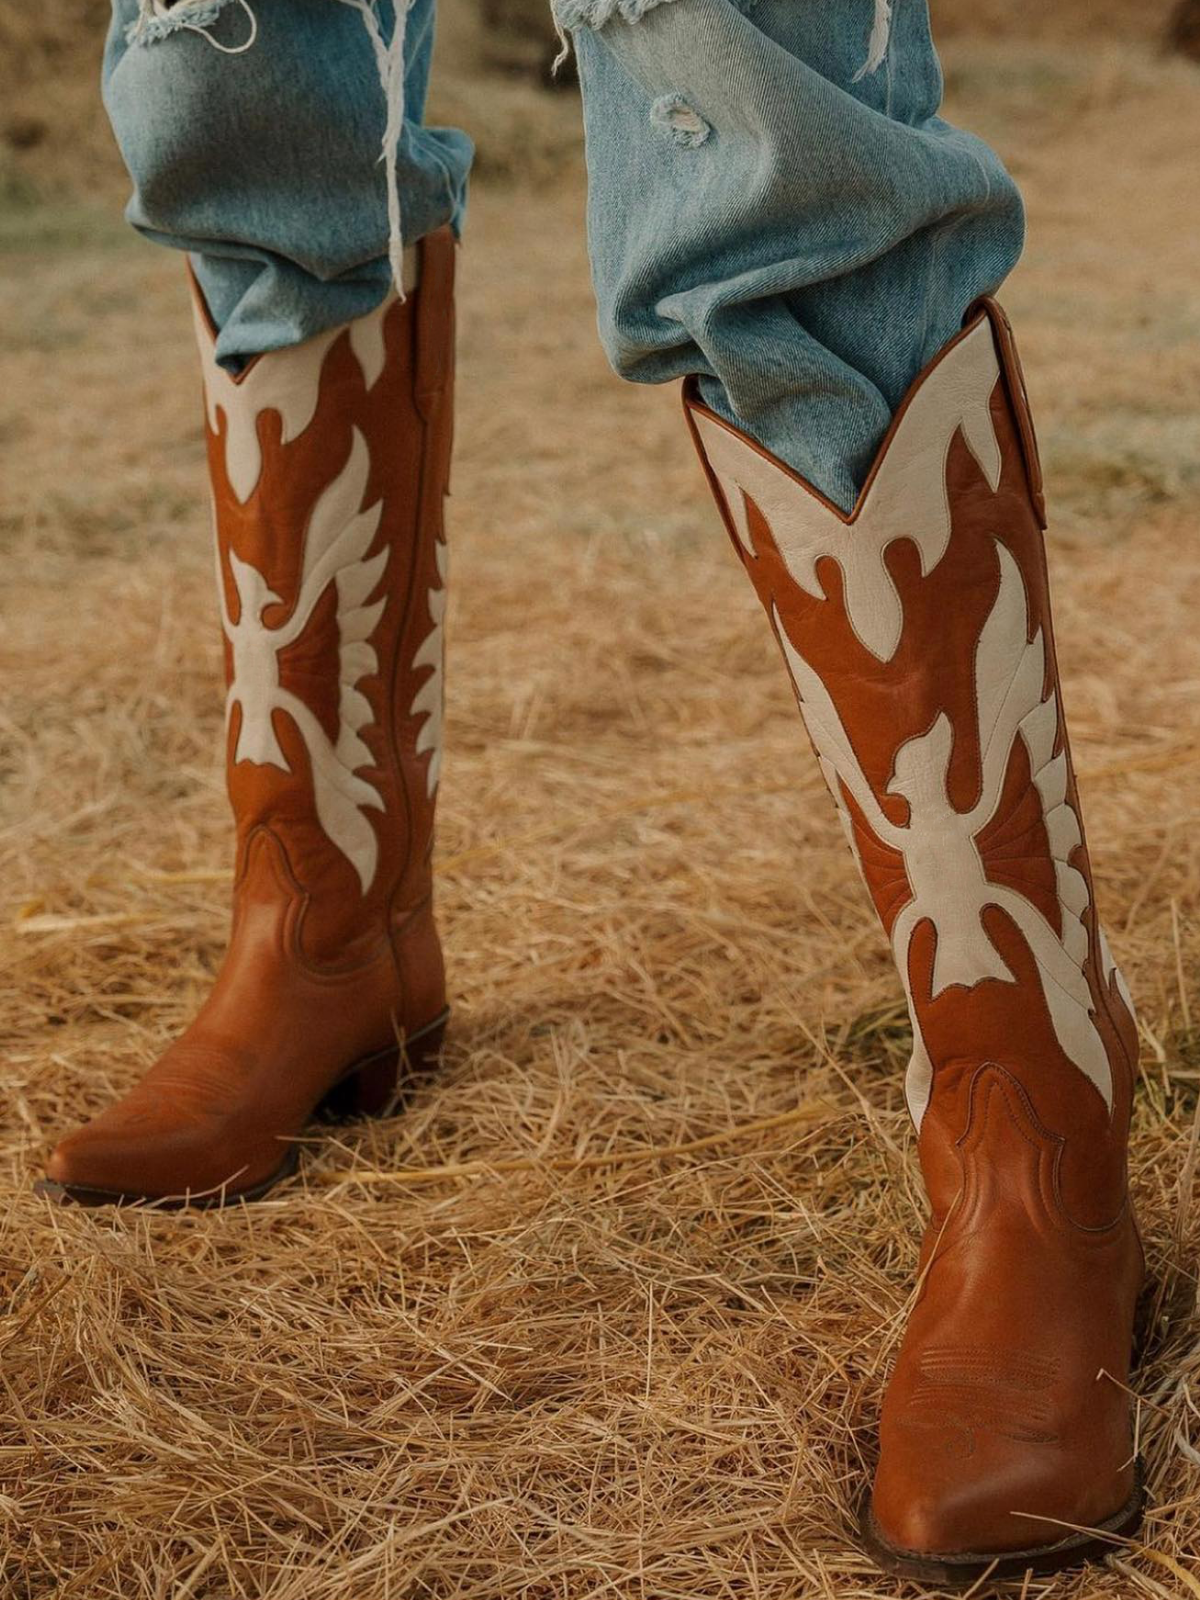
(946, 871)
(339, 535)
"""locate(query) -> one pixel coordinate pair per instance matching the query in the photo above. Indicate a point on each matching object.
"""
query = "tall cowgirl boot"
(918, 636)
(329, 464)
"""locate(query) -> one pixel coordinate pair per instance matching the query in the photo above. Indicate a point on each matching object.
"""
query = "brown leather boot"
(918, 636)
(329, 465)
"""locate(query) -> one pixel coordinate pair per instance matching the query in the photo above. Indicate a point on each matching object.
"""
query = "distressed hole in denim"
(680, 121)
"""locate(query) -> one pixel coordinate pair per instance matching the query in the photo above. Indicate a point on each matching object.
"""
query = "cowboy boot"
(329, 465)
(917, 633)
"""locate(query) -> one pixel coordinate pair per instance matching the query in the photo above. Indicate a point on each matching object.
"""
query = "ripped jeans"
(774, 203)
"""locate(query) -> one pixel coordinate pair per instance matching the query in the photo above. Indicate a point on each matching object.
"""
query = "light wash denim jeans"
(764, 211)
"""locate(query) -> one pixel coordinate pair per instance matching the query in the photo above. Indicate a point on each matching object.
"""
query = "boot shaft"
(329, 464)
(918, 635)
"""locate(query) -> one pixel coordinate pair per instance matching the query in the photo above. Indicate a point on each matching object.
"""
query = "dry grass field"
(606, 1312)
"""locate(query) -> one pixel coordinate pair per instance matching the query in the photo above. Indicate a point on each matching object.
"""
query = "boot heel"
(374, 1084)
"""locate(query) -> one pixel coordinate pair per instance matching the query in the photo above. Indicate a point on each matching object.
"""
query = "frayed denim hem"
(598, 13)
(569, 14)
(158, 21)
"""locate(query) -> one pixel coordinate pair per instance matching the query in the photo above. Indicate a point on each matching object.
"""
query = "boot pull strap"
(435, 320)
(1018, 395)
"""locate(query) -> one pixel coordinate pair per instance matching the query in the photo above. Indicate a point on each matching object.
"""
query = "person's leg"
(255, 145)
(799, 233)
(329, 425)
(802, 242)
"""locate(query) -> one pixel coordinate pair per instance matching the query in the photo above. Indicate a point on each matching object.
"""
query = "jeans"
(774, 203)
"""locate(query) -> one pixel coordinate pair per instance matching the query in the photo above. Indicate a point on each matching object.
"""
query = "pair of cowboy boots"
(918, 637)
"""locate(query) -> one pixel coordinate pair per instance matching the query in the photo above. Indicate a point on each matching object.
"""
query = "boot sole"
(963, 1571)
(368, 1088)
